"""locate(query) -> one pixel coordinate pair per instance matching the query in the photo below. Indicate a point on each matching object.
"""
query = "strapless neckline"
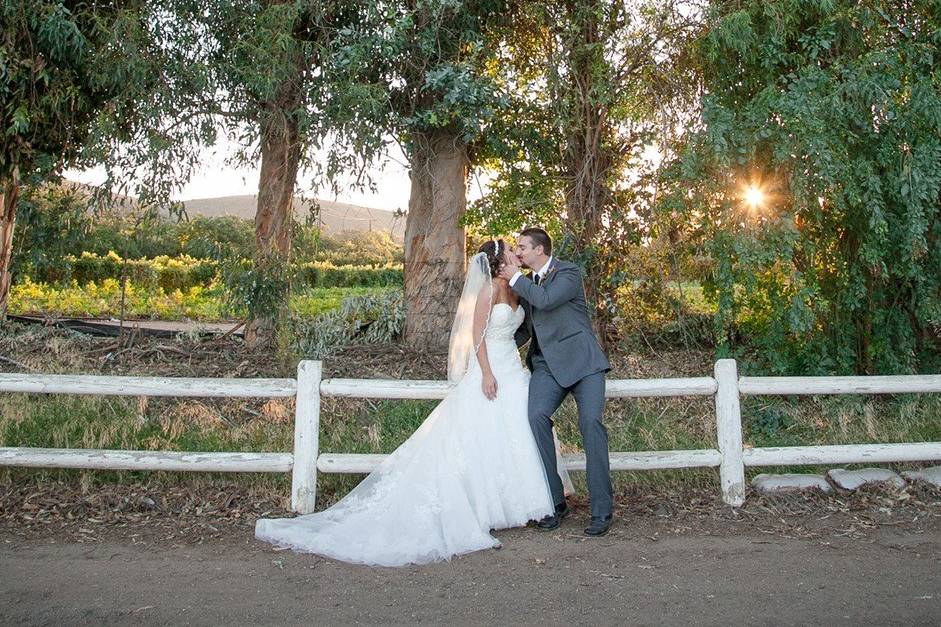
(513, 309)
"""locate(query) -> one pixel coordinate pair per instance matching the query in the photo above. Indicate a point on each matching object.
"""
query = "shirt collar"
(542, 271)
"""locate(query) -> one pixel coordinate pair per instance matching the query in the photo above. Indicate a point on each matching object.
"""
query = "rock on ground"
(931, 475)
(768, 483)
(853, 479)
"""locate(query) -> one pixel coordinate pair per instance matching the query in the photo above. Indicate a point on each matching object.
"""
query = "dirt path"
(635, 575)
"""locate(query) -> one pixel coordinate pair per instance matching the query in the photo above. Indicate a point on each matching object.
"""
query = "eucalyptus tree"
(257, 72)
(597, 82)
(63, 66)
(424, 74)
(831, 113)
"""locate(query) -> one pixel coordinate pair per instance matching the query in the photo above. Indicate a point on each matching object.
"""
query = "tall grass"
(365, 426)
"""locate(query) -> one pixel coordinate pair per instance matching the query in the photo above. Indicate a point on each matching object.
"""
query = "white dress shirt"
(542, 272)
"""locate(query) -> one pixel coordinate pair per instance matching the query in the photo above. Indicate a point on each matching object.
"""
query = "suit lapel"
(550, 273)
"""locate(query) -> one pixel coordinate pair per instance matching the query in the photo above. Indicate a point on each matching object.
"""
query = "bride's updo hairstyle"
(494, 251)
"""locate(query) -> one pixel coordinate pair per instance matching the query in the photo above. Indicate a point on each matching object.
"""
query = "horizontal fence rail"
(843, 454)
(726, 387)
(147, 386)
(359, 463)
(901, 384)
(145, 460)
(435, 390)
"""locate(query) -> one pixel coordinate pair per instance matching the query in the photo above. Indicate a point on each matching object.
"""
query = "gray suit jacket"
(558, 314)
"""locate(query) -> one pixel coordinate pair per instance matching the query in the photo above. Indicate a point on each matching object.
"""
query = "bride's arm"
(481, 313)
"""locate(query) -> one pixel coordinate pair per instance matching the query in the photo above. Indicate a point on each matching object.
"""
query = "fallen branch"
(16, 363)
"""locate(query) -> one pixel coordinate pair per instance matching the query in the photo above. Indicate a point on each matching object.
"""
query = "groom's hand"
(509, 269)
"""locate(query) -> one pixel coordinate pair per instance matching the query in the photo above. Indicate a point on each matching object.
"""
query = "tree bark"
(434, 239)
(280, 159)
(9, 198)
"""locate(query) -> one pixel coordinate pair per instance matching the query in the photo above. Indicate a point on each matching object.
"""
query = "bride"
(471, 467)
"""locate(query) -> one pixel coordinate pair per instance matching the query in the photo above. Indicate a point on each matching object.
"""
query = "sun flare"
(754, 197)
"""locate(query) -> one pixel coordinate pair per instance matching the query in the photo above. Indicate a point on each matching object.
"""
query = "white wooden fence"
(725, 386)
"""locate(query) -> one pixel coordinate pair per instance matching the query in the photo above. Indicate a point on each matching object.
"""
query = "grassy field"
(103, 300)
(365, 426)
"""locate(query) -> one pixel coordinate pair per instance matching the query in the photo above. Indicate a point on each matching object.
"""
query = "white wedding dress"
(471, 467)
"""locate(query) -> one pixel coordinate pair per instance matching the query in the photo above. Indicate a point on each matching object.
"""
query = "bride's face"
(509, 257)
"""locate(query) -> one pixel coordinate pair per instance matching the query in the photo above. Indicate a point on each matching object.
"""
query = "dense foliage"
(631, 130)
(833, 110)
(62, 65)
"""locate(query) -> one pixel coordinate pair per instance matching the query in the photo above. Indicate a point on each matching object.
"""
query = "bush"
(325, 274)
(93, 268)
(179, 273)
(213, 238)
(51, 221)
(367, 319)
(373, 248)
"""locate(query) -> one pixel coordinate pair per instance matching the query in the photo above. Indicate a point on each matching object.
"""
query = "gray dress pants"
(545, 396)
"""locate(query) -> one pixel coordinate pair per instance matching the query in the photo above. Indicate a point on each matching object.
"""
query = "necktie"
(537, 279)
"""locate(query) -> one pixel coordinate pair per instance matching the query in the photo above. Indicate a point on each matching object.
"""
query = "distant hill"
(335, 217)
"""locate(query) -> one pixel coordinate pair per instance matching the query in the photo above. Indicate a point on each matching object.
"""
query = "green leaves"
(837, 107)
(51, 60)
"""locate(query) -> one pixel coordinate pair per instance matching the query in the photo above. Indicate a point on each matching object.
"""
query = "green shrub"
(145, 235)
(372, 248)
(367, 319)
(50, 221)
(213, 238)
(325, 274)
(93, 268)
(168, 273)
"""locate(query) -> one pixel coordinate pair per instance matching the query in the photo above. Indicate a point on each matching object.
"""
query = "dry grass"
(366, 426)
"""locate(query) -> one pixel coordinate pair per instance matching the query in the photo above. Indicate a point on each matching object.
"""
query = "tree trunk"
(434, 239)
(587, 162)
(280, 158)
(9, 198)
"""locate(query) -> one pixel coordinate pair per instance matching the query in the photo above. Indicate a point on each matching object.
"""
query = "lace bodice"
(501, 345)
(504, 320)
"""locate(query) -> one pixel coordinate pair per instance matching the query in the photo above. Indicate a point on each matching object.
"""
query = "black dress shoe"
(552, 521)
(599, 526)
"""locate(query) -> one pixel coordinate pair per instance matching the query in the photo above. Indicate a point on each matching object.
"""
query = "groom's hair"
(539, 238)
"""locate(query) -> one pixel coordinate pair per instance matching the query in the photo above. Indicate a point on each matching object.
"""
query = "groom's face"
(527, 254)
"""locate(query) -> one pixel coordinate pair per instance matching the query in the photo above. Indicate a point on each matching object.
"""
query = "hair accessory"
(496, 249)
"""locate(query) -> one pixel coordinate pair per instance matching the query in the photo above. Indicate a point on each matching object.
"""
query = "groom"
(564, 357)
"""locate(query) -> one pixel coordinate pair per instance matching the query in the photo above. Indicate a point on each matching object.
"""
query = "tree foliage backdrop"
(833, 109)
(631, 130)
(64, 67)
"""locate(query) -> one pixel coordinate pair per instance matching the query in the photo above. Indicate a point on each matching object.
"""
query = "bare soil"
(131, 555)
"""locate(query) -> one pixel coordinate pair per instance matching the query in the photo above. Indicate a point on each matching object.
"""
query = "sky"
(215, 178)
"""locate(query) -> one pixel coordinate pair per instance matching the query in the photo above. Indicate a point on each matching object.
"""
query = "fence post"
(306, 437)
(729, 432)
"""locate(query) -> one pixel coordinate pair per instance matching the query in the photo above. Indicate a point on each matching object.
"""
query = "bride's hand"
(489, 386)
